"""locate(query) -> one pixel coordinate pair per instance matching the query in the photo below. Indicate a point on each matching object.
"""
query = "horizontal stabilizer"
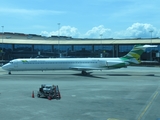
(146, 46)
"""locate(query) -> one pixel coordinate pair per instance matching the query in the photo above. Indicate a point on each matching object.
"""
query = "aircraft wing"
(84, 68)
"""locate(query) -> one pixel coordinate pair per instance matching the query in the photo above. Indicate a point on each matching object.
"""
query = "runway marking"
(148, 105)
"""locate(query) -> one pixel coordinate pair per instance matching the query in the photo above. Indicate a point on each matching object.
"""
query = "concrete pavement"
(123, 94)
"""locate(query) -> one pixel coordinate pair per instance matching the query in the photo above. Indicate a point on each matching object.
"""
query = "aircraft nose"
(5, 67)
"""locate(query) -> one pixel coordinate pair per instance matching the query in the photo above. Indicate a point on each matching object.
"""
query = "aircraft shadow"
(79, 74)
(118, 74)
(88, 75)
(132, 75)
(36, 74)
(152, 75)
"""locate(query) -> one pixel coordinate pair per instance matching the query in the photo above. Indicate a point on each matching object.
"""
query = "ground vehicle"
(49, 91)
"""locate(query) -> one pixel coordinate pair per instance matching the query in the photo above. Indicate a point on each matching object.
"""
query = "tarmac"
(124, 94)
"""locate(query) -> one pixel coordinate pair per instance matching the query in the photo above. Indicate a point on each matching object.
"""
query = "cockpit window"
(11, 62)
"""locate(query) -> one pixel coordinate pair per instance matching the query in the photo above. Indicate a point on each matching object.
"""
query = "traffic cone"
(32, 94)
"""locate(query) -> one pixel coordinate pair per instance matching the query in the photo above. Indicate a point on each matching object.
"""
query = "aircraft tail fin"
(133, 57)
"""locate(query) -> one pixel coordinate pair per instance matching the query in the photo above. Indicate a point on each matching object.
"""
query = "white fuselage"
(64, 64)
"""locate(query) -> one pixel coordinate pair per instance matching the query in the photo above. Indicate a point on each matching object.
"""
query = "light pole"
(101, 54)
(59, 38)
(101, 39)
(151, 44)
(151, 35)
(2, 40)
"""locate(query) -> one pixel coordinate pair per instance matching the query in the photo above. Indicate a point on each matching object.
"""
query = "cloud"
(68, 31)
(28, 12)
(136, 30)
(63, 31)
(140, 30)
(97, 32)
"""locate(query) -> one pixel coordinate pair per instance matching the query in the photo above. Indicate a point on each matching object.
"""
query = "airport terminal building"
(19, 45)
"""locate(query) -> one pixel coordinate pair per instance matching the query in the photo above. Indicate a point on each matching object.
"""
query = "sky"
(82, 18)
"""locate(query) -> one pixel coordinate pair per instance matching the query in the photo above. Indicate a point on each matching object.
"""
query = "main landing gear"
(9, 72)
(84, 72)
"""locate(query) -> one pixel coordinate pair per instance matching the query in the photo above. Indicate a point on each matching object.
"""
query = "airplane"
(80, 64)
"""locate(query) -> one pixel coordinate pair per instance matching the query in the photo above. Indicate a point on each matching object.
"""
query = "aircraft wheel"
(84, 72)
(9, 72)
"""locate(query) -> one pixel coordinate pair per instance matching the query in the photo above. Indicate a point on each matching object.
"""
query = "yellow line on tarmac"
(146, 108)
